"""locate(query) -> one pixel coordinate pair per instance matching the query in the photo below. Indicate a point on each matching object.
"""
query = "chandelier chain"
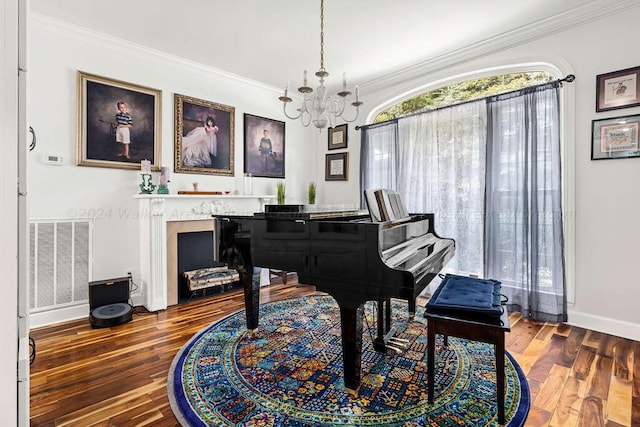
(322, 34)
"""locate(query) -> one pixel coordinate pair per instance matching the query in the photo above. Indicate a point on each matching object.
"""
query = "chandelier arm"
(302, 116)
(354, 118)
(284, 108)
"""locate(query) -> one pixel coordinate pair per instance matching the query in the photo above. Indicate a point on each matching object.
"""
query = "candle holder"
(163, 189)
(146, 186)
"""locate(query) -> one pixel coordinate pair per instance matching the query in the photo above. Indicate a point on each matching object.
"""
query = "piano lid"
(309, 212)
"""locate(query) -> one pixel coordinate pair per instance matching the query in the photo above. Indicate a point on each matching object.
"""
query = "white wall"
(56, 52)
(607, 194)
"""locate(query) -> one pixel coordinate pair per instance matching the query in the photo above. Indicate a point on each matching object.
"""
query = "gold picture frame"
(205, 137)
(101, 141)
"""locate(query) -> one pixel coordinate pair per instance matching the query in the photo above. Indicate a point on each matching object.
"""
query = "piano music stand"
(488, 331)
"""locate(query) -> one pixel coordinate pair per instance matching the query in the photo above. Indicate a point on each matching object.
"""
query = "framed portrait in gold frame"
(118, 123)
(204, 136)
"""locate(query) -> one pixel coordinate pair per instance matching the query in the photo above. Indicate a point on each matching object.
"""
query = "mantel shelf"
(204, 196)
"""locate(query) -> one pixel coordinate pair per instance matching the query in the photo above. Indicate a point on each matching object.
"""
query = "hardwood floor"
(118, 376)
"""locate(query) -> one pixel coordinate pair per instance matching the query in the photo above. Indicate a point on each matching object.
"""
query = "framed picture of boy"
(204, 137)
(118, 123)
(263, 146)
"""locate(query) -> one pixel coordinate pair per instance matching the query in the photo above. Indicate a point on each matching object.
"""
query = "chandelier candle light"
(319, 108)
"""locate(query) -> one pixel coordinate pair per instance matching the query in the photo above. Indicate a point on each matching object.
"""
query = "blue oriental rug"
(289, 373)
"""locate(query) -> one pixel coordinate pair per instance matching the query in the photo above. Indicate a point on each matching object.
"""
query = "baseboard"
(59, 315)
(605, 325)
(66, 314)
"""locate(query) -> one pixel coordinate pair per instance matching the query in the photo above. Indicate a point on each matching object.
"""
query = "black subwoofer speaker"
(109, 302)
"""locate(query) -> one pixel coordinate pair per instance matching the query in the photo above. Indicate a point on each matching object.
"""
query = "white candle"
(145, 166)
(286, 88)
(164, 175)
(344, 82)
(357, 92)
(305, 78)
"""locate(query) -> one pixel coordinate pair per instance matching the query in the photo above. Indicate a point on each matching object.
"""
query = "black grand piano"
(354, 256)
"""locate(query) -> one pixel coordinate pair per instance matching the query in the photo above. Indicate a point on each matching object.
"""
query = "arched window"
(465, 91)
(484, 155)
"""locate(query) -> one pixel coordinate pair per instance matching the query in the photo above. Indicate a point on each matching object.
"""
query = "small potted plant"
(281, 192)
(312, 193)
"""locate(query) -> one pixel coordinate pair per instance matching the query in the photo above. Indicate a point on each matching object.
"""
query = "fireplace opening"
(196, 250)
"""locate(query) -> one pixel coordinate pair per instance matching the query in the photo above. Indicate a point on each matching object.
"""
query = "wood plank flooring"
(118, 376)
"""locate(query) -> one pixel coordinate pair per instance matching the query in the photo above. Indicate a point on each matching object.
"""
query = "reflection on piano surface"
(352, 258)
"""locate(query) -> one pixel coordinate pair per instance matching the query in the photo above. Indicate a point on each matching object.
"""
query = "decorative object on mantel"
(321, 109)
(312, 193)
(280, 193)
(217, 207)
(195, 186)
(248, 184)
(147, 186)
(164, 180)
(201, 193)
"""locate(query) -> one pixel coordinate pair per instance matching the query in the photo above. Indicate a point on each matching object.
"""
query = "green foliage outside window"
(462, 92)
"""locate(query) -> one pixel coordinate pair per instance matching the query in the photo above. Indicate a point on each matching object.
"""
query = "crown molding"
(141, 52)
(591, 11)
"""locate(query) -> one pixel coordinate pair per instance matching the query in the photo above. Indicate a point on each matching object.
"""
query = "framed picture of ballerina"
(118, 123)
(263, 146)
(204, 137)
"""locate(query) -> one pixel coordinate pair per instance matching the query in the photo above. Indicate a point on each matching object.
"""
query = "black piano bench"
(466, 308)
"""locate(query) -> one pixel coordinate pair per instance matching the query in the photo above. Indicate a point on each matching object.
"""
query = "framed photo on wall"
(204, 136)
(338, 137)
(618, 89)
(264, 148)
(337, 167)
(615, 138)
(118, 123)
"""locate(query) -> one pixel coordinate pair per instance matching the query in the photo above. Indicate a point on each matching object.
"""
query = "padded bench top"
(466, 296)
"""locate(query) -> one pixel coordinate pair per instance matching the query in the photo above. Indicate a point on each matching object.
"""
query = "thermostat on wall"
(53, 159)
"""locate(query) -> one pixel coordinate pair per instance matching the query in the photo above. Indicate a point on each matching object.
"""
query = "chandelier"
(320, 108)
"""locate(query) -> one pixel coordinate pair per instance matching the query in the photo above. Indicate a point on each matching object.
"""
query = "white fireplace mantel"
(158, 209)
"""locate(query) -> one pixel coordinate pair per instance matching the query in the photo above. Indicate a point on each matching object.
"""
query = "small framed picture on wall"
(615, 138)
(338, 137)
(618, 89)
(337, 167)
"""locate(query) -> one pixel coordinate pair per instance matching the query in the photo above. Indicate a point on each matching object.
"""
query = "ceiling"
(274, 41)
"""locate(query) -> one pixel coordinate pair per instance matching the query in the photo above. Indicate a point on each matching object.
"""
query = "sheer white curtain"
(441, 170)
(490, 172)
(379, 157)
(523, 220)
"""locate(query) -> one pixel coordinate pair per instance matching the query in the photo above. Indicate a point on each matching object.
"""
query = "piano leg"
(251, 296)
(351, 325)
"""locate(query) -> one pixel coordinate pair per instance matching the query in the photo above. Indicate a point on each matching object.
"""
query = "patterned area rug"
(289, 373)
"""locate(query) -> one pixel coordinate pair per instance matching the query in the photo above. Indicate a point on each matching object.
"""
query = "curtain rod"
(568, 79)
